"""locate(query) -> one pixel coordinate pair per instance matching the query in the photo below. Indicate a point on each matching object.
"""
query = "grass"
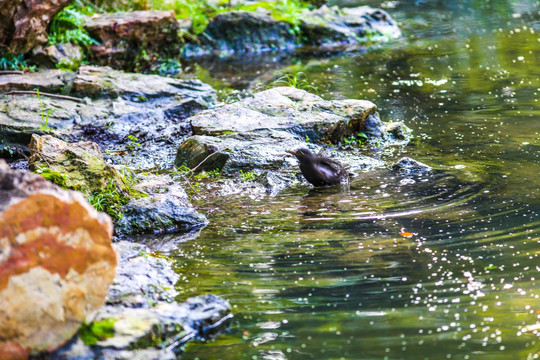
(133, 142)
(247, 176)
(44, 116)
(110, 201)
(298, 80)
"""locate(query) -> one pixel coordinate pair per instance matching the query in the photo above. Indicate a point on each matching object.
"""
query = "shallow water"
(442, 268)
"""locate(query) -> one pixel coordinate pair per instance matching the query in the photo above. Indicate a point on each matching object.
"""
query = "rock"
(78, 166)
(241, 32)
(253, 134)
(398, 131)
(50, 81)
(166, 209)
(24, 23)
(131, 40)
(141, 280)
(66, 56)
(407, 166)
(96, 81)
(140, 320)
(287, 109)
(126, 110)
(331, 27)
(56, 263)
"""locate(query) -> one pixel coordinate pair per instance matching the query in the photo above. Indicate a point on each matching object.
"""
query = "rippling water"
(442, 268)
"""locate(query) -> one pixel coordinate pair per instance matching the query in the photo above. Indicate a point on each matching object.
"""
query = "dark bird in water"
(320, 170)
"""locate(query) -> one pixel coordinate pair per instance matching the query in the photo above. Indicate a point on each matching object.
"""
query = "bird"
(320, 170)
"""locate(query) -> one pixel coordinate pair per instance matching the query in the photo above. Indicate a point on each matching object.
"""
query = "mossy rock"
(79, 166)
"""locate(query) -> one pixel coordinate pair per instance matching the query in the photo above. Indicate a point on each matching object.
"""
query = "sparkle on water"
(441, 267)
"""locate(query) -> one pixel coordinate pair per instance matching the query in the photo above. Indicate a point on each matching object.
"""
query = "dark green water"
(329, 275)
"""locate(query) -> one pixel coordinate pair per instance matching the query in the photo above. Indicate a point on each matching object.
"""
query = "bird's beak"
(291, 152)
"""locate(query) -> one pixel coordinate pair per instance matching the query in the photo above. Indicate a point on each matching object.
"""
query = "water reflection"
(444, 267)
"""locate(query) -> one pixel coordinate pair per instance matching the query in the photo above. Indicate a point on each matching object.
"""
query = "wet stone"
(407, 166)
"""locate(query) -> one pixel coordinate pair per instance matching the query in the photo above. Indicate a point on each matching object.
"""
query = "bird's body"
(320, 170)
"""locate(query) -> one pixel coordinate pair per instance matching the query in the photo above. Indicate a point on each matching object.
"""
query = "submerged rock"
(141, 320)
(241, 32)
(56, 263)
(131, 40)
(407, 166)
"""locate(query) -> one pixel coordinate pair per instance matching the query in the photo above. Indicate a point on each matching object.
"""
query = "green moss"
(97, 331)
(53, 176)
(68, 64)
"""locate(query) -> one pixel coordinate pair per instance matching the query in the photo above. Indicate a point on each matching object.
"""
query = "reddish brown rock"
(56, 263)
(134, 37)
(24, 22)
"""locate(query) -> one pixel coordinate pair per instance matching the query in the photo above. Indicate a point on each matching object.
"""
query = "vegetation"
(358, 139)
(67, 27)
(44, 116)
(11, 62)
(296, 80)
(201, 11)
(110, 200)
(98, 330)
(133, 142)
(53, 176)
(290, 11)
(247, 176)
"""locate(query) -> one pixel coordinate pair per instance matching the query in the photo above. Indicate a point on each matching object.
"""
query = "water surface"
(444, 267)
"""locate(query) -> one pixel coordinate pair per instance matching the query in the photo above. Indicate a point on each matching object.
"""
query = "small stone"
(408, 166)
(66, 56)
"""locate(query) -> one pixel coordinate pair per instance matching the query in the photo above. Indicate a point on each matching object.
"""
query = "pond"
(441, 267)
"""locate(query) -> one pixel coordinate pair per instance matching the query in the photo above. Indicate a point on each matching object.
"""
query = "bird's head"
(301, 154)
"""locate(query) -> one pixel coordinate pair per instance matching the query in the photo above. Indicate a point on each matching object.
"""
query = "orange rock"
(56, 263)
